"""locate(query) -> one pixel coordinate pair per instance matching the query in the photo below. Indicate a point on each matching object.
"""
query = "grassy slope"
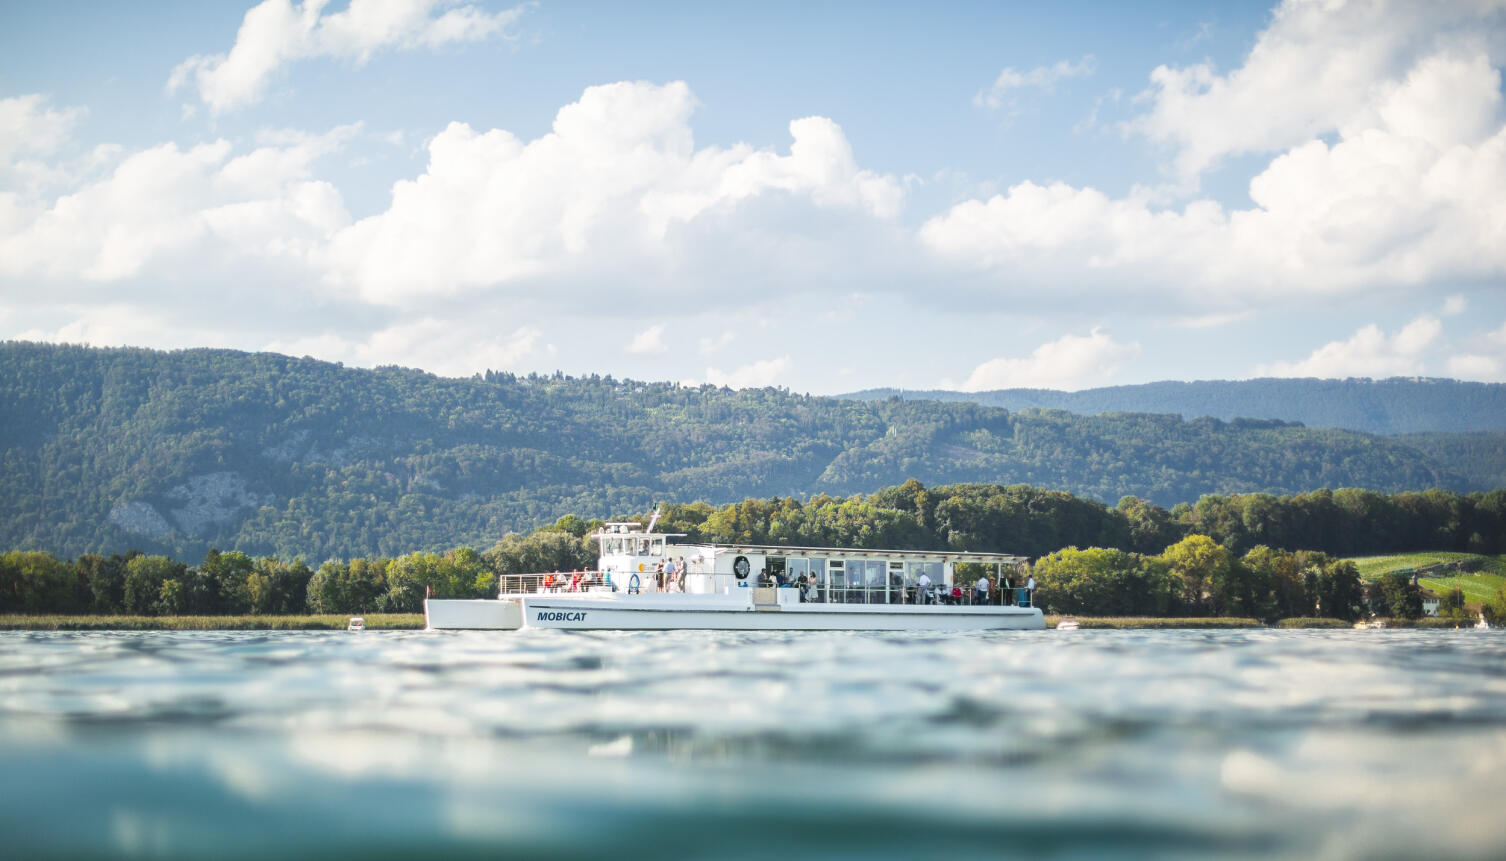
(1479, 586)
(1372, 567)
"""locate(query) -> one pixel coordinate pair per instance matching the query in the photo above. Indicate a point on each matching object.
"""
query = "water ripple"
(1118, 743)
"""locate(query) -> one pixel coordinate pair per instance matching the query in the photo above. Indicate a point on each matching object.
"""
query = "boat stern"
(486, 614)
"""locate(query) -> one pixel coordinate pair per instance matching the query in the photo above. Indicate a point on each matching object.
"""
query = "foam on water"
(553, 744)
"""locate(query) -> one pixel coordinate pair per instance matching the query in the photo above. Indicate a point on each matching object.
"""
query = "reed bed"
(321, 622)
(1153, 622)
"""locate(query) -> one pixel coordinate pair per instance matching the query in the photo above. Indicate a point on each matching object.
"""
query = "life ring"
(633, 585)
(740, 567)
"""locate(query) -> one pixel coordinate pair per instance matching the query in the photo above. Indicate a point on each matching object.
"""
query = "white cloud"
(1471, 366)
(121, 324)
(616, 189)
(1410, 201)
(165, 200)
(1206, 321)
(29, 127)
(1487, 363)
(276, 33)
(1453, 306)
(1369, 353)
(1040, 77)
(33, 138)
(448, 347)
(1071, 362)
(751, 376)
(649, 342)
(241, 243)
(1325, 67)
(715, 344)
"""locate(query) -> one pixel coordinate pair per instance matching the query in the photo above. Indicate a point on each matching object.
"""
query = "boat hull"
(715, 613)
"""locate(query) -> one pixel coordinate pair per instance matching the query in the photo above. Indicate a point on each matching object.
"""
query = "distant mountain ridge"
(1397, 405)
(108, 449)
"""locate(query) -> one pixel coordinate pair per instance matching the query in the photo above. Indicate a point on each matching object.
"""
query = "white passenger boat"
(746, 587)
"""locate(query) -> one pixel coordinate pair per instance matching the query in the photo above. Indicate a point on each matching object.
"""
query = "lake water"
(710, 744)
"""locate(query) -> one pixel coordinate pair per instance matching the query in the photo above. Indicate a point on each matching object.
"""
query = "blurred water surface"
(711, 744)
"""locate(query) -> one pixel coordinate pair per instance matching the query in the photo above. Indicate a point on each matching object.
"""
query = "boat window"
(837, 581)
(865, 582)
(775, 566)
(658, 547)
(930, 569)
(818, 571)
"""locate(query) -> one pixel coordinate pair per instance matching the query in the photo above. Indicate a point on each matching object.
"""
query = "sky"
(826, 197)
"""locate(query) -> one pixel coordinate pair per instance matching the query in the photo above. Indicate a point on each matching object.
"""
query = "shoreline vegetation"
(415, 622)
(1226, 558)
(317, 622)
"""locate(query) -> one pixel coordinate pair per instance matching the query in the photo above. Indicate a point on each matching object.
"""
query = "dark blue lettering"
(550, 616)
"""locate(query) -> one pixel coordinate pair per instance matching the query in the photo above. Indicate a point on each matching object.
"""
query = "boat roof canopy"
(937, 555)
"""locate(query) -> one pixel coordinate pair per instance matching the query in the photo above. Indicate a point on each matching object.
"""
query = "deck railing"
(553, 581)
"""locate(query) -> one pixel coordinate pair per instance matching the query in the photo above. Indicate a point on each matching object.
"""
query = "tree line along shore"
(1251, 556)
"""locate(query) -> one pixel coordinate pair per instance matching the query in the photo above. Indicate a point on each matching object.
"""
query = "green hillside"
(107, 449)
(1392, 406)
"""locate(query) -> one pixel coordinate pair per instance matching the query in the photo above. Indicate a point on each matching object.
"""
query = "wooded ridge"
(1397, 405)
(102, 450)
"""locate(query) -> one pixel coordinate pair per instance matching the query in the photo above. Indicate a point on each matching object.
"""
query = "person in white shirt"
(980, 591)
(670, 583)
(923, 589)
(1030, 589)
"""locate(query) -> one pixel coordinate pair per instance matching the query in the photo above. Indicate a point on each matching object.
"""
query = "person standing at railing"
(1030, 591)
(980, 591)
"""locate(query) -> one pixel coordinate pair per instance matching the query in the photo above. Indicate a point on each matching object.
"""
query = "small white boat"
(645, 582)
(356, 624)
(1067, 625)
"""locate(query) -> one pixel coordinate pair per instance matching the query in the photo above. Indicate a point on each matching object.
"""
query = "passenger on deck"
(980, 591)
(923, 589)
(659, 576)
(956, 595)
(1030, 590)
(669, 576)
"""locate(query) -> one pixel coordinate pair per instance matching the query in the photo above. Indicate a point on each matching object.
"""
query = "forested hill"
(1395, 406)
(109, 449)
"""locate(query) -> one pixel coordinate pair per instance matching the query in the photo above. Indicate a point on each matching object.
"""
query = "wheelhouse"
(639, 560)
